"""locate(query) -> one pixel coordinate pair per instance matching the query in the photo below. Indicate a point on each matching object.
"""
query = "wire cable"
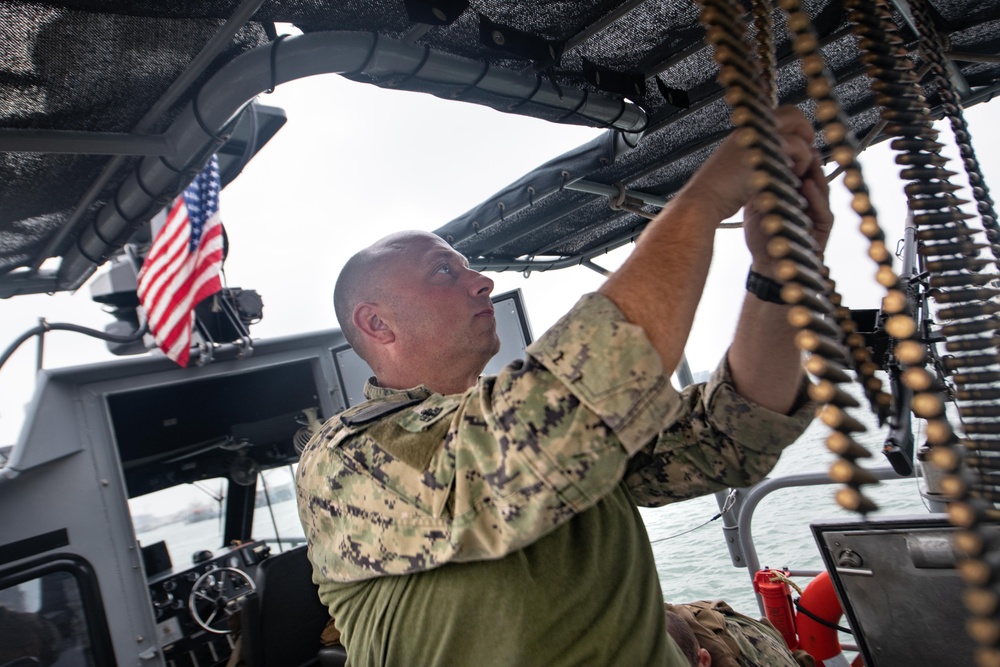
(726, 506)
(57, 326)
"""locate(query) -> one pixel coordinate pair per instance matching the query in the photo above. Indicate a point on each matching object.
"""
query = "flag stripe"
(183, 264)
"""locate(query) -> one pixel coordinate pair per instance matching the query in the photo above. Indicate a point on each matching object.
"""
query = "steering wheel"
(217, 595)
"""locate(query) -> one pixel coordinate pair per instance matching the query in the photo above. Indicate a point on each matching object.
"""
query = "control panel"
(193, 607)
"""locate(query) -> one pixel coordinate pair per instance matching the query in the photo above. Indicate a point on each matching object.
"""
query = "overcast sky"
(355, 162)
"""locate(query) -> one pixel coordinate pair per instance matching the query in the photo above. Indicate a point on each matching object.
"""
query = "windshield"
(190, 518)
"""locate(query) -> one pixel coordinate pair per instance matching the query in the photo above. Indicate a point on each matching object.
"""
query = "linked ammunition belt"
(956, 272)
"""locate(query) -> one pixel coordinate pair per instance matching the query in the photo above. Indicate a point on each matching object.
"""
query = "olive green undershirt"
(586, 594)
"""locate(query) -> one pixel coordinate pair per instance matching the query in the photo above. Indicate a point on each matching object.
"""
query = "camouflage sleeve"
(719, 440)
(479, 475)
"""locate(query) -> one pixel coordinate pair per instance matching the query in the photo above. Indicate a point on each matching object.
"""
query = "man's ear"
(367, 320)
(704, 658)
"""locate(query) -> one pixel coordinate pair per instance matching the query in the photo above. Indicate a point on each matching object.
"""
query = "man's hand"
(797, 137)
(660, 284)
(724, 184)
(763, 359)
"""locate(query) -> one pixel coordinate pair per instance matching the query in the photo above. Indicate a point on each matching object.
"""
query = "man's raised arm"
(660, 285)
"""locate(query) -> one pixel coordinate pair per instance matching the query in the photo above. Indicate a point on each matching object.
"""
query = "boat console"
(193, 606)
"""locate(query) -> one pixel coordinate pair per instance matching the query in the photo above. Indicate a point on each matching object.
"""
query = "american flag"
(183, 265)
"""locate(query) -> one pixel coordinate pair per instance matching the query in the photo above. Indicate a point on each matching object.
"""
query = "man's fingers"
(815, 194)
(816, 174)
(793, 122)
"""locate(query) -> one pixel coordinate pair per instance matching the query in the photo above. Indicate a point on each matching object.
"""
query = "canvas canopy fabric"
(108, 109)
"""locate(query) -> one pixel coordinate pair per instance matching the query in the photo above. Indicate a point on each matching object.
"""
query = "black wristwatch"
(764, 288)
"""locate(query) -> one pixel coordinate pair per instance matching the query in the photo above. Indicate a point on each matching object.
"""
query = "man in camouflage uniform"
(455, 519)
(712, 634)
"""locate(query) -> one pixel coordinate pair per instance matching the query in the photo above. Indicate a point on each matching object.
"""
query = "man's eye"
(444, 268)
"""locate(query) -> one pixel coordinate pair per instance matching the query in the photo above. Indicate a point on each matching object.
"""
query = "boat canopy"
(108, 109)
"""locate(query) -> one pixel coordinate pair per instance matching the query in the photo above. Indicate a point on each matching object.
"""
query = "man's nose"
(479, 283)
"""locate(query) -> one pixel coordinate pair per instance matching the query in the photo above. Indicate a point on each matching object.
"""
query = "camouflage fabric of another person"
(736, 640)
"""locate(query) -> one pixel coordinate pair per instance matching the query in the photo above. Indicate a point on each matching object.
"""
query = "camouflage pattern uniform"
(411, 480)
(736, 640)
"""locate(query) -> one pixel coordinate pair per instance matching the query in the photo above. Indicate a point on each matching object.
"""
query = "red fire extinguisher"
(777, 597)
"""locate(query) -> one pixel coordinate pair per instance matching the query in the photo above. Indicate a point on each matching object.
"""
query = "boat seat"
(283, 619)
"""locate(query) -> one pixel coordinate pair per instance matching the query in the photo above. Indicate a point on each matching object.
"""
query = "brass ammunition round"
(989, 428)
(747, 137)
(886, 277)
(822, 368)
(841, 471)
(962, 280)
(760, 179)
(843, 445)
(985, 394)
(803, 44)
(870, 227)
(798, 20)
(901, 326)
(987, 656)
(853, 179)
(917, 379)
(822, 391)
(970, 542)
(812, 64)
(985, 631)
(938, 431)
(981, 601)
(962, 295)
(910, 352)
(979, 411)
(827, 110)
(927, 406)
(974, 571)
(961, 514)
(767, 201)
(810, 341)
(799, 317)
(843, 155)
(953, 486)
(818, 88)
(878, 252)
(853, 500)
(829, 392)
(835, 133)
(867, 369)
(874, 384)
(861, 203)
(945, 458)
(846, 472)
(836, 418)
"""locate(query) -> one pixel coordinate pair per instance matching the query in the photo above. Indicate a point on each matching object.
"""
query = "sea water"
(696, 565)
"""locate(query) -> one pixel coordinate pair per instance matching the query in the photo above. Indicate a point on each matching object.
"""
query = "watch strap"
(764, 288)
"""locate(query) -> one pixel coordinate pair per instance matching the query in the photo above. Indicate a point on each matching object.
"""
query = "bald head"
(361, 279)
(412, 308)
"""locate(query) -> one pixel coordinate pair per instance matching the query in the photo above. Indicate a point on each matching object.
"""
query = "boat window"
(276, 516)
(188, 518)
(42, 622)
